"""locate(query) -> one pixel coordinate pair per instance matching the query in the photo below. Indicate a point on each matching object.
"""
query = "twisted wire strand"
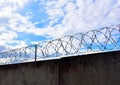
(104, 39)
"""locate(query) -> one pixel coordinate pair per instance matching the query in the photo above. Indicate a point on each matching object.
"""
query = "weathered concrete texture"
(39, 73)
(94, 69)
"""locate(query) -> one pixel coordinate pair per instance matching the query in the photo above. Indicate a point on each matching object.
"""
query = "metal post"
(35, 53)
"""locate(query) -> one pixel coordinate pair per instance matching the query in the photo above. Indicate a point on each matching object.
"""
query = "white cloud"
(80, 15)
(9, 8)
(9, 17)
(19, 43)
(12, 5)
(5, 36)
(77, 16)
(71, 16)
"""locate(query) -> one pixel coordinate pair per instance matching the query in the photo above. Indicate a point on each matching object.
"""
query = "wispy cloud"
(53, 18)
(71, 16)
(9, 17)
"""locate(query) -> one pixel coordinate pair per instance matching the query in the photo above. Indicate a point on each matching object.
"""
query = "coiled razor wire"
(102, 40)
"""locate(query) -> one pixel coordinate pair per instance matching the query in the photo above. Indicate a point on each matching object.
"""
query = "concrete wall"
(94, 69)
(39, 73)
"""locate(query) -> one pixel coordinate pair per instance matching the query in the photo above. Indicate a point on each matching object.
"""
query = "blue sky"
(25, 22)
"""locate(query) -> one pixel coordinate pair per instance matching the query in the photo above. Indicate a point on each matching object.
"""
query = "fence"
(104, 39)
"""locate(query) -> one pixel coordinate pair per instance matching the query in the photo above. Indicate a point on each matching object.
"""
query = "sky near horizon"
(25, 22)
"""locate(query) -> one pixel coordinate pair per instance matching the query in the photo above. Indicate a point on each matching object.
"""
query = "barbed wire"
(104, 39)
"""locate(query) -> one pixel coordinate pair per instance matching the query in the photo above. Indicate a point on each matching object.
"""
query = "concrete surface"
(39, 73)
(93, 69)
